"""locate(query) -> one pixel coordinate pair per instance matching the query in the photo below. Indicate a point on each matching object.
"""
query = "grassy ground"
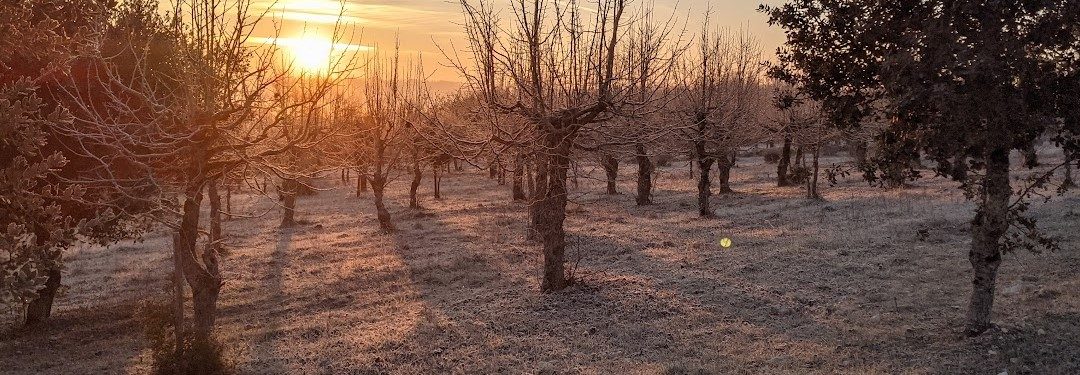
(866, 281)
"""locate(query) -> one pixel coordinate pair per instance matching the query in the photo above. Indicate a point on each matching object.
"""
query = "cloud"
(405, 15)
(304, 42)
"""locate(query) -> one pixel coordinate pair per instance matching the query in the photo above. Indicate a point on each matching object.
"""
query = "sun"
(311, 54)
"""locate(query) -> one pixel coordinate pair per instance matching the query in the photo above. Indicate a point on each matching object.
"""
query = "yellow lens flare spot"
(725, 242)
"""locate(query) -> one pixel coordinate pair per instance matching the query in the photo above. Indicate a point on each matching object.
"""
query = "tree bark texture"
(990, 224)
(548, 209)
(611, 171)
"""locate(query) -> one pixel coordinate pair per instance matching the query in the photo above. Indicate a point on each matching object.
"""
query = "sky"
(422, 26)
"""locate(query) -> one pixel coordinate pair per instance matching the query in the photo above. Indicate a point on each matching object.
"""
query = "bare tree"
(555, 67)
(723, 93)
(216, 113)
(392, 94)
(655, 47)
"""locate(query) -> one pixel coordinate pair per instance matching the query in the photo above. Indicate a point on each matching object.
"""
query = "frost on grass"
(867, 281)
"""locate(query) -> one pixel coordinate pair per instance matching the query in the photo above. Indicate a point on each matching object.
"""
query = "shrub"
(798, 174)
(195, 357)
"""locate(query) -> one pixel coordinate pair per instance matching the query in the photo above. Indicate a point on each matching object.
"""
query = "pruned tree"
(654, 47)
(554, 66)
(392, 94)
(723, 94)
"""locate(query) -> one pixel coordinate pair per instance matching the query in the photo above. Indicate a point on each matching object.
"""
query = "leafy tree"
(965, 81)
(43, 209)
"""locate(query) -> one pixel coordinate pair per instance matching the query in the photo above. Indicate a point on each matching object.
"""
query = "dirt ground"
(866, 281)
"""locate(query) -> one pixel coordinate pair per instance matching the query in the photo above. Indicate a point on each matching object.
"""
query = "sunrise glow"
(312, 53)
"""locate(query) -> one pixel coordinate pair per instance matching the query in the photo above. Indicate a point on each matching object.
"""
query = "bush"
(194, 358)
(798, 174)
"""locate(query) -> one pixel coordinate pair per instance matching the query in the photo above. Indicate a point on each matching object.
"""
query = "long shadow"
(95, 322)
(812, 305)
(482, 299)
(101, 339)
(267, 356)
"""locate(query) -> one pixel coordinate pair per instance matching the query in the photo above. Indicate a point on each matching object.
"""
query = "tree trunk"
(611, 170)
(705, 163)
(812, 181)
(990, 224)
(799, 156)
(377, 185)
(548, 210)
(361, 181)
(959, 168)
(228, 201)
(178, 303)
(690, 164)
(1068, 182)
(40, 308)
(204, 302)
(417, 176)
(493, 169)
(215, 213)
(517, 190)
(858, 152)
(500, 174)
(289, 190)
(437, 180)
(784, 163)
(530, 182)
(723, 168)
(540, 178)
(644, 176)
(1031, 157)
(203, 276)
(361, 184)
